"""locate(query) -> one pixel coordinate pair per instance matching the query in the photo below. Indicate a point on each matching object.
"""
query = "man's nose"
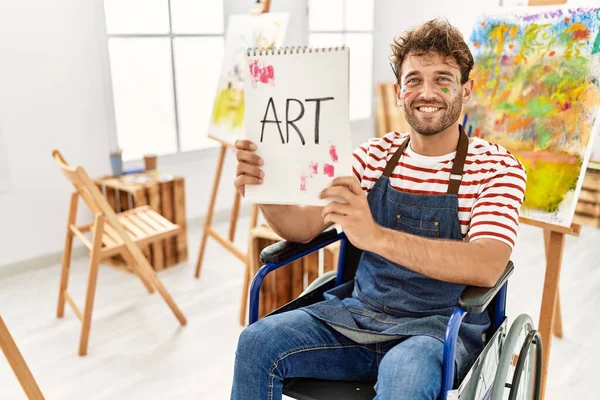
(428, 91)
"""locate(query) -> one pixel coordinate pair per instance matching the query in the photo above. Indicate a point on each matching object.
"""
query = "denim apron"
(389, 302)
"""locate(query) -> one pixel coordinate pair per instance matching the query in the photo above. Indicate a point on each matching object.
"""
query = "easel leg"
(91, 285)
(558, 330)
(18, 364)
(235, 212)
(554, 245)
(211, 209)
(66, 257)
(249, 269)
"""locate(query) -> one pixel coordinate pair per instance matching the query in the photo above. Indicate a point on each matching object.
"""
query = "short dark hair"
(433, 36)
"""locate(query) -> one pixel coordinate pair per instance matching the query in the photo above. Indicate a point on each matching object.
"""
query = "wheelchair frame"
(473, 300)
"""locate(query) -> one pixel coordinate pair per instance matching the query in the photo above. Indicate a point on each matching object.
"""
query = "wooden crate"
(286, 283)
(588, 207)
(166, 195)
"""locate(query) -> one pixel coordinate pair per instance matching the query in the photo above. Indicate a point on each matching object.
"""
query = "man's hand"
(247, 171)
(354, 216)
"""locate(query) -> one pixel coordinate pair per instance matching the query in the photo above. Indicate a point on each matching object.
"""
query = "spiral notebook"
(297, 115)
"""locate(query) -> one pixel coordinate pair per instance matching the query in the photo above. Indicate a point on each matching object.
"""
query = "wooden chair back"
(93, 198)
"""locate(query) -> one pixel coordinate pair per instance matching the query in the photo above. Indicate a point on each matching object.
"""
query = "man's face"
(431, 93)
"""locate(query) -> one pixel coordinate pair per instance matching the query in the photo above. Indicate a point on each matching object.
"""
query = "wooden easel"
(227, 242)
(550, 322)
(18, 364)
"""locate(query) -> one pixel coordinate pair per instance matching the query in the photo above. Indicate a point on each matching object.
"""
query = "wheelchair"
(509, 366)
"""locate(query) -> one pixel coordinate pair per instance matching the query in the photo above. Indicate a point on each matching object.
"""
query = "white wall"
(53, 94)
(392, 17)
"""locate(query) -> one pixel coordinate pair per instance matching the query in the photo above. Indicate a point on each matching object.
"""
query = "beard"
(427, 125)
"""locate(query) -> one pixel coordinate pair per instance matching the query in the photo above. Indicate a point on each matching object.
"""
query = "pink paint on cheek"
(407, 94)
(329, 170)
(333, 153)
(303, 183)
(314, 168)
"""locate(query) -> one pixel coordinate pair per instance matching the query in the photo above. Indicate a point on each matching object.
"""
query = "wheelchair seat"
(316, 389)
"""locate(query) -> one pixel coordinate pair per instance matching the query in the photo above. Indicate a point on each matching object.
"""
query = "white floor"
(139, 351)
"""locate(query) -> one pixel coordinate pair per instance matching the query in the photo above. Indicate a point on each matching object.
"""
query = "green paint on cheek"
(446, 90)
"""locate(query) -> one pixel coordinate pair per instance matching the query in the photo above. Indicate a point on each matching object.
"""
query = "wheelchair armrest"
(281, 251)
(475, 299)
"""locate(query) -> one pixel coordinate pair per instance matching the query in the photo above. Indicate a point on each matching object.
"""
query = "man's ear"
(468, 90)
(397, 93)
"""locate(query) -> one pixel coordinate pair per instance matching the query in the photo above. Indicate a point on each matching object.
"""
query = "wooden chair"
(18, 364)
(112, 234)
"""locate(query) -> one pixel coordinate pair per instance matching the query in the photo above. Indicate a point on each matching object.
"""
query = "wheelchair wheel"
(520, 366)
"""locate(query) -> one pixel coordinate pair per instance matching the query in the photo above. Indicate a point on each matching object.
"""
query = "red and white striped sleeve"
(360, 159)
(495, 213)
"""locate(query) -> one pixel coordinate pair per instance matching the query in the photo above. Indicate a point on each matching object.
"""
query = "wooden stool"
(285, 284)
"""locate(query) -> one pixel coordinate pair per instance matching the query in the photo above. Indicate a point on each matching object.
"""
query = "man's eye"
(413, 80)
(445, 78)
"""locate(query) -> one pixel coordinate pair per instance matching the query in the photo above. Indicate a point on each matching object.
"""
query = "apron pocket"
(418, 227)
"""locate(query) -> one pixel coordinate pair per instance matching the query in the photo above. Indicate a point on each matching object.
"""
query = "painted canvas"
(243, 32)
(301, 127)
(537, 93)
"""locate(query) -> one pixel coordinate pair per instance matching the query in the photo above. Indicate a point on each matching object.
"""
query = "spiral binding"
(261, 51)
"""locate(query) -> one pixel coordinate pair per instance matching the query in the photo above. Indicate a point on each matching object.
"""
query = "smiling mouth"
(428, 109)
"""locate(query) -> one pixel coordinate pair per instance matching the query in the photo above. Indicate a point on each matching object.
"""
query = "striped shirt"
(490, 194)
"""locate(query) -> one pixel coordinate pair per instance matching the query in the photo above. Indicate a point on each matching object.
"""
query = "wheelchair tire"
(533, 338)
(511, 349)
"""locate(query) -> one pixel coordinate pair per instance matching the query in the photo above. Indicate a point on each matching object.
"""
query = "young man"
(432, 210)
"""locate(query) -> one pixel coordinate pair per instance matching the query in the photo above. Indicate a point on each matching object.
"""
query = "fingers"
(350, 182)
(248, 157)
(334, 218)
(250, 170)
(337, 208)
(342, 192)
(243, 144)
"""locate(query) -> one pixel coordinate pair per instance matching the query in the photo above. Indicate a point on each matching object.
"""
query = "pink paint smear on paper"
(329, 170)
(314, 168)
(264, 74)
(303, 183)
(333, 153)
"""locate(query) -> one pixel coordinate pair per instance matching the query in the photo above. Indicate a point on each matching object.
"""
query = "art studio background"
(130, 86)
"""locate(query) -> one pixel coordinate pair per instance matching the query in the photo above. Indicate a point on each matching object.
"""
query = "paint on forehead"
(446, 90)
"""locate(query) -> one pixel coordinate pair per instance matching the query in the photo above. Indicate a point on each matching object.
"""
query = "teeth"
(428, 109)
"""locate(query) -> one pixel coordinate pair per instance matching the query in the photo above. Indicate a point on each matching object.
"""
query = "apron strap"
(389, 167)
(457, 167)
(459, 162)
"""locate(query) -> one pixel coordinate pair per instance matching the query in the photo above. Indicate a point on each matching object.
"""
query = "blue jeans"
(295, 344)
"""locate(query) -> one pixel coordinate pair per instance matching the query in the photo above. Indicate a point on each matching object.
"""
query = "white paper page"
(298, 169)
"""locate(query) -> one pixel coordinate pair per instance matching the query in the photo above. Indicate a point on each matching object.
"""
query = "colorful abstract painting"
(537, 93)
(243, 32)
